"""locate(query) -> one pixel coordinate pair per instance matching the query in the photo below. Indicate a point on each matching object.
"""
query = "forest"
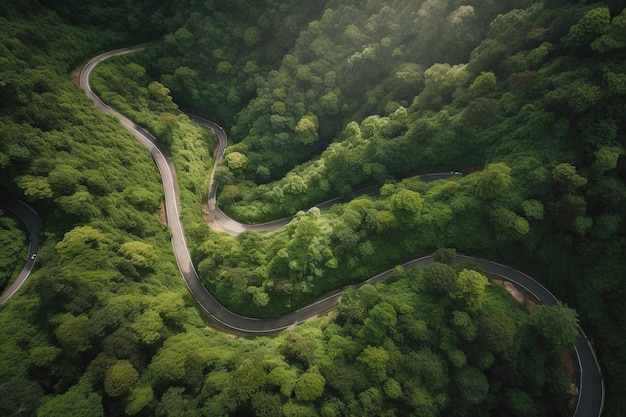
(525, 100)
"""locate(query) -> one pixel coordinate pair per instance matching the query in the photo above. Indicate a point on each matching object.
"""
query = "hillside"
(525, 99)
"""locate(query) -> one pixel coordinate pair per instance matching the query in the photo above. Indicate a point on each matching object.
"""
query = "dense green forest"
(526, 99)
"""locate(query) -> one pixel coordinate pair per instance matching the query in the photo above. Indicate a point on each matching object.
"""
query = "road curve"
(30, 218)
(591, 386)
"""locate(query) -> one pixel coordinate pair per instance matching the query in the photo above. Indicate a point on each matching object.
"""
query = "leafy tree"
(407, 206)
(236, 161)
(613, 38)
(497, 331)
(392, 389)
(589, 27)
(35, 188)
(493, 181)
(306, 130)
(73, 333)
(140, 254)
(79, 401)
(482, 85)
(507, 223)
(309, 386)
(471, 287)
(266, 404)
(119, 378)
(137, 399)
(557, 324)
(149, 327)
(520, 403)
(284, 378)
(173, 403)
(292, 409)
(300, 348)
(471, 386)
(376, 359)
(380, 321)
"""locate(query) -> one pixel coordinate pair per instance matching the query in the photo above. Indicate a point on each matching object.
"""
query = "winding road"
(591, 386)
(30, 218)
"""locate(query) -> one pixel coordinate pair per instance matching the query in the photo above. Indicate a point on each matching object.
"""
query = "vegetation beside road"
(105, 325)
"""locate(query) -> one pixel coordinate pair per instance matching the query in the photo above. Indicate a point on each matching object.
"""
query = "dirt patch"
(208, 218)
(162, 215)
(516, 292)
(75, 76)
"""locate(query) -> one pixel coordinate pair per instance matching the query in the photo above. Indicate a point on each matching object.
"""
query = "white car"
(33, 256)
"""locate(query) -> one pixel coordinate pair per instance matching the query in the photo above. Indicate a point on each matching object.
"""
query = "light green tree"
(306, 130)
(149, 327)
(471, 288)
(140, 254)
(309, 386)
(78, 401)
(376, 359)
(236, 161)
(138, 398)
(119, 378)
(493, 181)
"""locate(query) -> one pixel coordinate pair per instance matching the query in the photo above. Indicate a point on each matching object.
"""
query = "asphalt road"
(30, 218)
(591, 397)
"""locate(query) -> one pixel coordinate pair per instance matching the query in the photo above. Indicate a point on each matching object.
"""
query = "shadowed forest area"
(525, 99)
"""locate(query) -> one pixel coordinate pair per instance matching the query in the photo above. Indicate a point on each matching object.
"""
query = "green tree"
(482, 85)
(231, 192)
(557, 324)
(380, 321)
(78, 401)
(407, 206)
(293, 409)
(137, 399)
(591, 26)
(520, 403)
(508, 224)
(149, 327)
(493, 181)
(119, 378)
(73, 333)
(613, 38)
(565, 174)
(236, 161)
(306, 130)
(34, 187)
(392, 389)
(175, 404)
(284, 378)
(376, 359)
(497, 331)
(471, 386)
(309, 386)
(140, 254)
(471, 288)
(266, 405)
(439, 279)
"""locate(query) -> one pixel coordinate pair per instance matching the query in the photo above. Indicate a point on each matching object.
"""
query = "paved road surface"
(32, 222)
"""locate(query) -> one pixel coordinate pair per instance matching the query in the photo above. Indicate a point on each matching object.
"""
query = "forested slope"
(531, 96)
(374, 93)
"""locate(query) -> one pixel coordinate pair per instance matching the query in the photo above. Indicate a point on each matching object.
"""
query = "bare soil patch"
(75, 76)
(208, 218)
